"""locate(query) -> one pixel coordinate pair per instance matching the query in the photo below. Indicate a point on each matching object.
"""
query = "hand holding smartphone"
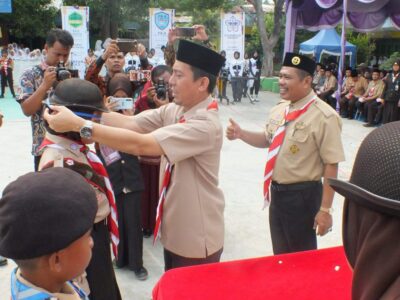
(122, 103)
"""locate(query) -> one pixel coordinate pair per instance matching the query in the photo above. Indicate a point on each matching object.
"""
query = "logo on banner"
(233, 24)
(161, 20)
(75, 20)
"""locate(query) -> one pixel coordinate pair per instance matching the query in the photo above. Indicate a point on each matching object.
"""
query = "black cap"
(44, 212)
(298, 61)
(200, 57)
(354, 73)
(79, 93)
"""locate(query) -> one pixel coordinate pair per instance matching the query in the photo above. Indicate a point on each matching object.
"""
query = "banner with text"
(232, 33)
(161, 20)
(76, 21)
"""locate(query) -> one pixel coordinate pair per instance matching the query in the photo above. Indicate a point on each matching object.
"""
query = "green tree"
(29, 19)
(269, 39)
(365, 45)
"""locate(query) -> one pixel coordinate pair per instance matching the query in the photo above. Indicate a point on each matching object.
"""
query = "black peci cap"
(200, 57)
(44, 212)
(298, 61)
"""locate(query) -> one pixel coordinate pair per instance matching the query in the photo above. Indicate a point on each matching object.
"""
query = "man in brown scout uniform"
(188, 135)
(303, 137)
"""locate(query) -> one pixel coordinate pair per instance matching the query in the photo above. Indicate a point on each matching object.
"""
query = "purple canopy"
(363, 15)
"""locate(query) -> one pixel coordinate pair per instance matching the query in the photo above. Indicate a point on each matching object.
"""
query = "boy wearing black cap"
(188, 135)
(70, 150)
(50, 241)
(303, 137)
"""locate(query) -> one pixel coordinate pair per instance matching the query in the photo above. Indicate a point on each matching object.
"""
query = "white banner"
(232, 33)
(161, 20)
(76, 21)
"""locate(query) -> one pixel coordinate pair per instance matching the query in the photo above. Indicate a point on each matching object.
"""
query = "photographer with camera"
(114, 60)
(37, 83)
(127, 183)
(155, 94)
(196, 33)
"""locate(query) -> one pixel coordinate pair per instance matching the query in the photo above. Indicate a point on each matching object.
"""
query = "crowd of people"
(154, 166)
(369, 95)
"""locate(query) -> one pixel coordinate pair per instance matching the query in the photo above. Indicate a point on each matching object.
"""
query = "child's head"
(45, 223)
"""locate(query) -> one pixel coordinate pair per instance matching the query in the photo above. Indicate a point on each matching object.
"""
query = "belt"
(294, 186)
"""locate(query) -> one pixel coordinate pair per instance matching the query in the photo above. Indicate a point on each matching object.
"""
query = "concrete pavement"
(241, 174)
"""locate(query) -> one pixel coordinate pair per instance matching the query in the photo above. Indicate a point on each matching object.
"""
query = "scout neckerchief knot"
(167, 178)
(98, 167)
(275, 145)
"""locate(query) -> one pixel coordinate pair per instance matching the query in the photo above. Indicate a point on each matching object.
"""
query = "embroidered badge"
(296, 60)
(294, 149)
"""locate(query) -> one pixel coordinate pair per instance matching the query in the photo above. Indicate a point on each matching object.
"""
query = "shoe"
(141, 274)
(3, 261)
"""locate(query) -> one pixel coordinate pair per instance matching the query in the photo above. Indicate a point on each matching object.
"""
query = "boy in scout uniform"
(188, 135)
(303, 137)
(47, 233)
(69, 150)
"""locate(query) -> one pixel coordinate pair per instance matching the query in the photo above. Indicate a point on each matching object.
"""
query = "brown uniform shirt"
(71, 151)
(375, 89)
(193, 219)
(360, 86)
(311, 141)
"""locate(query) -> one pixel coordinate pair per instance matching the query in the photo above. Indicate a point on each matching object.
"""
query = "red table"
(320, 274)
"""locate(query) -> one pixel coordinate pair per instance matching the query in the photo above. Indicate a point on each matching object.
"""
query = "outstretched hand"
(233, 131)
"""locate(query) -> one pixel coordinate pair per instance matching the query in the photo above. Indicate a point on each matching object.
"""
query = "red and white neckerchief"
(98, 167)
(275, 145)
(5, 66)
(166, 181)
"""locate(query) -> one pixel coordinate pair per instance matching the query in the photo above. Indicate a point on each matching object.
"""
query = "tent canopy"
(327, 41)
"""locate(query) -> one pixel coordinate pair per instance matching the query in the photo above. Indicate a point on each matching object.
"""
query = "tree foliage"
(365, 45)
(29, 19)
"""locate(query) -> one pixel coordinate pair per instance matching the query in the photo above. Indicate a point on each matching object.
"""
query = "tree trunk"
(268, 43)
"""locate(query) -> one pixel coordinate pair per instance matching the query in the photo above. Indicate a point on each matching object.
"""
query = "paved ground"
(246, 231)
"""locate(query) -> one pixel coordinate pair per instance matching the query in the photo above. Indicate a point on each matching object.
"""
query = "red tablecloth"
(320, 274)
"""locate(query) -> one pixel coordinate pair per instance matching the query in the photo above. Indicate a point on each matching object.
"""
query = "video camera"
(63, 73)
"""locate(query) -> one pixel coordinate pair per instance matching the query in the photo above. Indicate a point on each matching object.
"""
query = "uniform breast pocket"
(299, 133)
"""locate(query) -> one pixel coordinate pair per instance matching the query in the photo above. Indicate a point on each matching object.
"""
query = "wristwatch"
(86, 130)
(326, 210)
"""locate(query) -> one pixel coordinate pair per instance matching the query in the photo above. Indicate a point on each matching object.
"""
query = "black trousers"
(390, 112)
(173, 260)
(372, 108)
(237, 89)
(256, 86)
(100, 272)
(130, 247)
(7, 78)
(291, 216)
(347, 106)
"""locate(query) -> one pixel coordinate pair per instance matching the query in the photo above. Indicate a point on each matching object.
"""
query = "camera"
(63, 73)
(161, 89)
